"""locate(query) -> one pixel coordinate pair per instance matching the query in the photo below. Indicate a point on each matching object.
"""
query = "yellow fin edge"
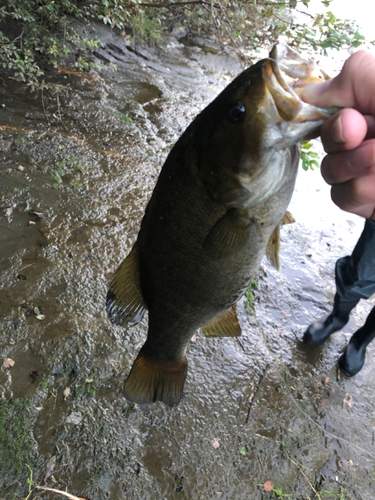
(226, 325)
(125, 304)
(152, 379)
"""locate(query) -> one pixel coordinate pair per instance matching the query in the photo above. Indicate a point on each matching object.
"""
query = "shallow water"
(89, 166)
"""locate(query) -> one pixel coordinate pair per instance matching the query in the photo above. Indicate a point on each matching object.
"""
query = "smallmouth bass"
(215, 211)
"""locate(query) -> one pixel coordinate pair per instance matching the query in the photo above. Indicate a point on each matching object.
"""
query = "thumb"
(319, 94)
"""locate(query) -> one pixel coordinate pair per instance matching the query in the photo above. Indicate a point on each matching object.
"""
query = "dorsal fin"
(226, 325)
(125, 304)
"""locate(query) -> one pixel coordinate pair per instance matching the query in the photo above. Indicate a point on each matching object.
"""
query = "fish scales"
(203, 284)
(220, 196)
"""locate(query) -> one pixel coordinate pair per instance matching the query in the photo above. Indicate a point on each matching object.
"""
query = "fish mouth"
(287, 121)
(286, 73)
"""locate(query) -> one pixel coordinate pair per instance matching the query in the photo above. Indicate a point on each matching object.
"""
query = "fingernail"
(337, 134)
(312, 93)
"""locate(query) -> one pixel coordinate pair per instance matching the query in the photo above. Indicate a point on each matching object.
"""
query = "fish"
(214, 213)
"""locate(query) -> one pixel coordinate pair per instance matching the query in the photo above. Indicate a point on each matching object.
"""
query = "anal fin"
(226, 325)
(125, 304)
(152, 379)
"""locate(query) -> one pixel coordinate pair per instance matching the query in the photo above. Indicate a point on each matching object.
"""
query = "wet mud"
(75, 177)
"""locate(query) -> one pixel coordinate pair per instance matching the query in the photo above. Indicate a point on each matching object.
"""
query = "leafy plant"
(146, 28)
(275, 489)
(30, 481)
(44, 384)
(35, 36)
(249, 302)
(309, 158)
(90, 387)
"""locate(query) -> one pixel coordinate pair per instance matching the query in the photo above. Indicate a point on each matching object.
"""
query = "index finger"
(342, 166)
(353, 87)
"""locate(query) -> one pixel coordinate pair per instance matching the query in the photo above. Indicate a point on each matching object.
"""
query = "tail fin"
(152, 379)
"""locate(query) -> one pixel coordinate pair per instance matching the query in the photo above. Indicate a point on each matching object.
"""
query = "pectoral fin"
(125, 304)
(273, 248)
(229, 235)
(226, 325)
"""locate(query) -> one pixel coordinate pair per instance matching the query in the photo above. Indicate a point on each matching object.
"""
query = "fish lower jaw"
(284, 135)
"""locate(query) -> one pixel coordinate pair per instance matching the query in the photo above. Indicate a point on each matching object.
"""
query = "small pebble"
(215, 443)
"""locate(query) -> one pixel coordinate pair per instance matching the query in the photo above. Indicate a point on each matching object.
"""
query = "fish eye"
(236, 112)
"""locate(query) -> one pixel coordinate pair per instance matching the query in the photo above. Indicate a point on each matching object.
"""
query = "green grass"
(16, 441)
(44, 384)
(249, 302)
(90, 389)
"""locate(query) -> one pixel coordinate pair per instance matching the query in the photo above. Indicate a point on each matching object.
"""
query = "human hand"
(349, 136)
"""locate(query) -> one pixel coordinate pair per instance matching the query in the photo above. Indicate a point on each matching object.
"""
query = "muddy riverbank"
(75, 177)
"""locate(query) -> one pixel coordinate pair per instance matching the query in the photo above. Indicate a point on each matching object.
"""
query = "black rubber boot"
(319, 331)
(353, 359)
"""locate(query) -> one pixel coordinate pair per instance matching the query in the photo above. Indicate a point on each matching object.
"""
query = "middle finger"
(345, 165)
